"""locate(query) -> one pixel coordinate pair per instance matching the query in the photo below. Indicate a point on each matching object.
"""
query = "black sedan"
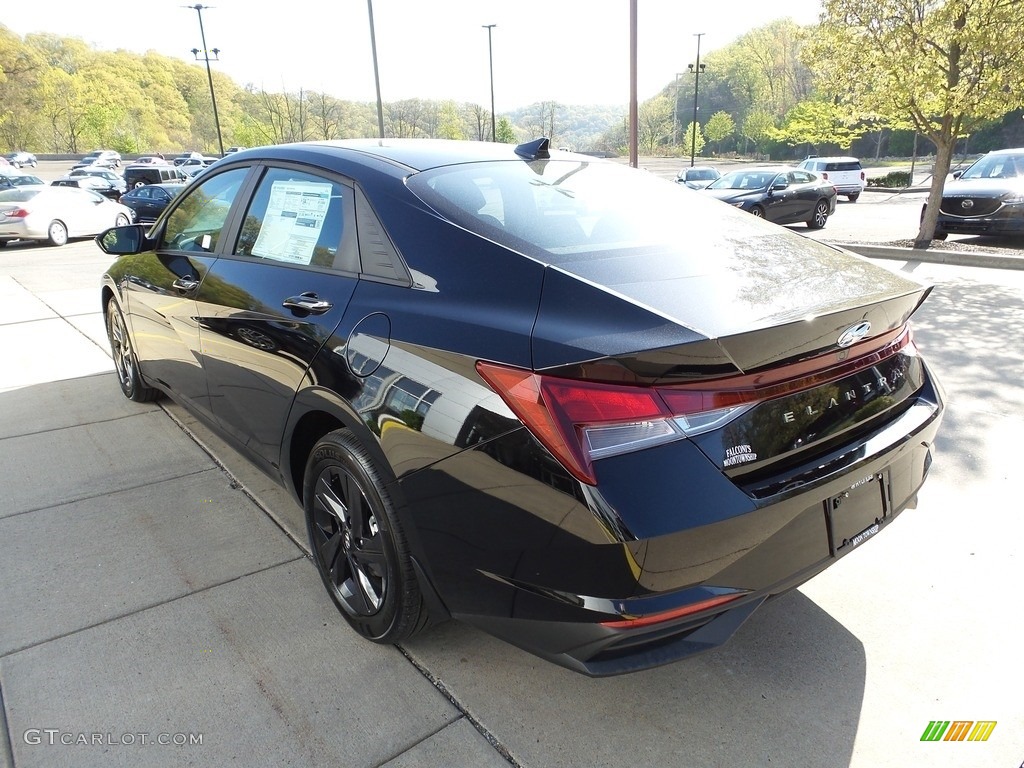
(149, 201)
(986, 199)
(553, 397)
(97, 184)
(782, 195)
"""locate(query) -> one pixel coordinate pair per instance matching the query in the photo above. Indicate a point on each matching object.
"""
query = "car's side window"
(300, 218)
(143, 192)
(196, 224)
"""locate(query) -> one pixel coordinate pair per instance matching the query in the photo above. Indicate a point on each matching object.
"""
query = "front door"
(269, 304)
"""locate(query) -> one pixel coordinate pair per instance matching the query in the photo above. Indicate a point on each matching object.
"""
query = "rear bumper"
(664, 529)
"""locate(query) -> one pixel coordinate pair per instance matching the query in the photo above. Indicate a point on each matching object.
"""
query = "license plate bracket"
(858, 512)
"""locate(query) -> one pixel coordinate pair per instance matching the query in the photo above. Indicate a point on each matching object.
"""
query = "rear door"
(269, 304)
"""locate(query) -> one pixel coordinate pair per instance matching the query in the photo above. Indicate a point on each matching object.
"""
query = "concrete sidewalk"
(148, 597)
(155, 587)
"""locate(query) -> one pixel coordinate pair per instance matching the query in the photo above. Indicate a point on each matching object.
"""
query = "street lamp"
(696, 70)
(209, 74)
(490, 57)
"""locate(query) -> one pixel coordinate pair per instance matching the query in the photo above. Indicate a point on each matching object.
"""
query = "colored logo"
(958, 730)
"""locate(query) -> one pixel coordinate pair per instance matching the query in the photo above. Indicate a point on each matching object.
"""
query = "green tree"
(654, 123)
(688, 139)
(506, 134)
(758, 127)
(450, 122)
(720, 127)
(946, 65)
(815, 123)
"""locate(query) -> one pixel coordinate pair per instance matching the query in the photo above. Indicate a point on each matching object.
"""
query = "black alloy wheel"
(357, 542)
(817, 221)
(124, 358)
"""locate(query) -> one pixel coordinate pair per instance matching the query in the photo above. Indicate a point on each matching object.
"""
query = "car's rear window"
(845, 166)
(563, 207)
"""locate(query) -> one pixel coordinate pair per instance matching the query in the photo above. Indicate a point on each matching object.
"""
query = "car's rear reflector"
(675, 613)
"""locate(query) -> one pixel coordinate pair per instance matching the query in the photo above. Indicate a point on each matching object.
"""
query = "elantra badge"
(854, 333)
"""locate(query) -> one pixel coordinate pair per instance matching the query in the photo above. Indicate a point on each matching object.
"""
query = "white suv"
(844, 173)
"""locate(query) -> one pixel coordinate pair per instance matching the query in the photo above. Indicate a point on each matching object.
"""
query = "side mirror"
(120, 241)
(780, 185)
(956, 174)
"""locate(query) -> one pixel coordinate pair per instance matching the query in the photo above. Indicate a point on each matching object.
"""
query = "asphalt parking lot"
(157, 586)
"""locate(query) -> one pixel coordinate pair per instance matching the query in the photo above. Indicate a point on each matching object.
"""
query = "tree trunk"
(943, 158)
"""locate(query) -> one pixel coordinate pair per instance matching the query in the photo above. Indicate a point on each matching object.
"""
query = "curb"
(955, 258)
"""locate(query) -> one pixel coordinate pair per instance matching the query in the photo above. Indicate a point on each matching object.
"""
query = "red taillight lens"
(579, 421)
(862, 177)
(17, 213)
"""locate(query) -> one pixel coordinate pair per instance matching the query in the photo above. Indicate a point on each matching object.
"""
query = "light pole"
(490, 58)
(696, 85)
(209, 73)
(376, 72)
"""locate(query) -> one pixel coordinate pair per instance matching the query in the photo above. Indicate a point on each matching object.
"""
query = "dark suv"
(986, 199)
(140, 175)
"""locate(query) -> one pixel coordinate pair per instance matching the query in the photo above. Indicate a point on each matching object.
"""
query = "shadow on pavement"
(786, 690)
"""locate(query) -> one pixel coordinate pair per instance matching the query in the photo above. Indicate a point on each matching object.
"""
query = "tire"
(125, 362)
(56, 233)
(357, 541)
(853, 198)
(757, 211)
(817, 221)
(121, 220)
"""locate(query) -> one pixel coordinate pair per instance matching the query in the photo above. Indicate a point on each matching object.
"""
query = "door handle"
(186, 283)
(308, 302)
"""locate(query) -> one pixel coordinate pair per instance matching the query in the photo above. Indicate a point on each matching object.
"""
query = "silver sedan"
(55, 214)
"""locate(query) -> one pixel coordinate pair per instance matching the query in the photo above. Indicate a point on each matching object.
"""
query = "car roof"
(1008, 151)
(414, 154)
(836, 159)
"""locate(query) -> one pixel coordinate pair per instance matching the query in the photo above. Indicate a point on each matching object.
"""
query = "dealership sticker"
(738, 454)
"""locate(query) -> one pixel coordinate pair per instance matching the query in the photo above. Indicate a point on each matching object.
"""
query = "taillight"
(17, 213)
(824, 176)
(580, 421)
(862, 177)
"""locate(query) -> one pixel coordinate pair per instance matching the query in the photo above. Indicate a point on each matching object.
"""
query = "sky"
(568, 51)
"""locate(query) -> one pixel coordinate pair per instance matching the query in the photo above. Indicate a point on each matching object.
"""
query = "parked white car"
(56, 214)
(844, 173)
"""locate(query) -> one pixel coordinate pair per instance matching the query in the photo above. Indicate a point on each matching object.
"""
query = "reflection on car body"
(597, 415)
